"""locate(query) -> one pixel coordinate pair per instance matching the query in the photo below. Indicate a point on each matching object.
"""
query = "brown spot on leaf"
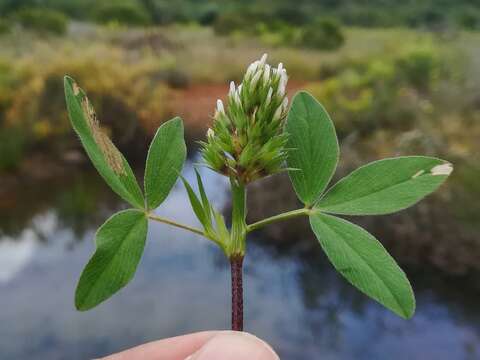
(108, 149)
(444, 169)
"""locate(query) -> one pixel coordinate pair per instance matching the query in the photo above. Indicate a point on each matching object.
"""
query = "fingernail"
(234, 345)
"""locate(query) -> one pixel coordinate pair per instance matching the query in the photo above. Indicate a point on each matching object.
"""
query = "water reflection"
(293, 298)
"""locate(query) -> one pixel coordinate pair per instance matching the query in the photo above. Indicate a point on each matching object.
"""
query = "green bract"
(212, 221)
(250, 139)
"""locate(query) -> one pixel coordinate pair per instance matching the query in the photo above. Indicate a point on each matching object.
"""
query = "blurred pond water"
(294, 299)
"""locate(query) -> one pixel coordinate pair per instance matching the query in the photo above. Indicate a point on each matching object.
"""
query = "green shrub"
(12, 147)
(367, 96)
(7, 81)
(419, 68)
(4, 26)
(230, 22)
(208, 15)
(43, 20)
(325, 34)
(277, 33)
(469, 19)
(123, 13)
(132, 94)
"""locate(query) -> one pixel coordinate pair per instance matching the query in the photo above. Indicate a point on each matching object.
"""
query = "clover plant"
(253, 136)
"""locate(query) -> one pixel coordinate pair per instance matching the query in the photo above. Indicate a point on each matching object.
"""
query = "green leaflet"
(313, 147)
(120, 242)
(364, 262)
(106, 158)
(165, 160)
(385, 186)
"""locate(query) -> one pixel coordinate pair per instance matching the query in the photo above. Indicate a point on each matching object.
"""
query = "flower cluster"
(246, 140)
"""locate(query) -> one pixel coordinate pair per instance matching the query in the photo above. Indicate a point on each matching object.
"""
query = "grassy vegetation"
(388, 79)
(390, 91)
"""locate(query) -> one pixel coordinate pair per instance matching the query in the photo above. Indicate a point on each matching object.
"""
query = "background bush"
(372, 94)
(324, 34)
(5, 26)
(12, 147)
(123, 13)
(43, 20)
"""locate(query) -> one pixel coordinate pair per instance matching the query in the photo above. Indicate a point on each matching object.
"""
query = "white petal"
(237, 98)
(255, 79)
(282, 84)
(266, 74)
(251, 69)
(220, 107)
(278, 113)
(263, 59)
(210, 133)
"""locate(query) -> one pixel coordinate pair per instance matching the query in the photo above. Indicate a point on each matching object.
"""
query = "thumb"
(233, 345)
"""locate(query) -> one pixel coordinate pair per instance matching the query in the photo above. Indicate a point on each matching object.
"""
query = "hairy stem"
(178, 225)
(236, 265)
(279, 217)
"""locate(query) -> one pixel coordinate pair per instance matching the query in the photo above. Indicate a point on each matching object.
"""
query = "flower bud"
(247, 141)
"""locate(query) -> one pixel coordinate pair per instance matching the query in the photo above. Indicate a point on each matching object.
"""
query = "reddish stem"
(236, 265)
